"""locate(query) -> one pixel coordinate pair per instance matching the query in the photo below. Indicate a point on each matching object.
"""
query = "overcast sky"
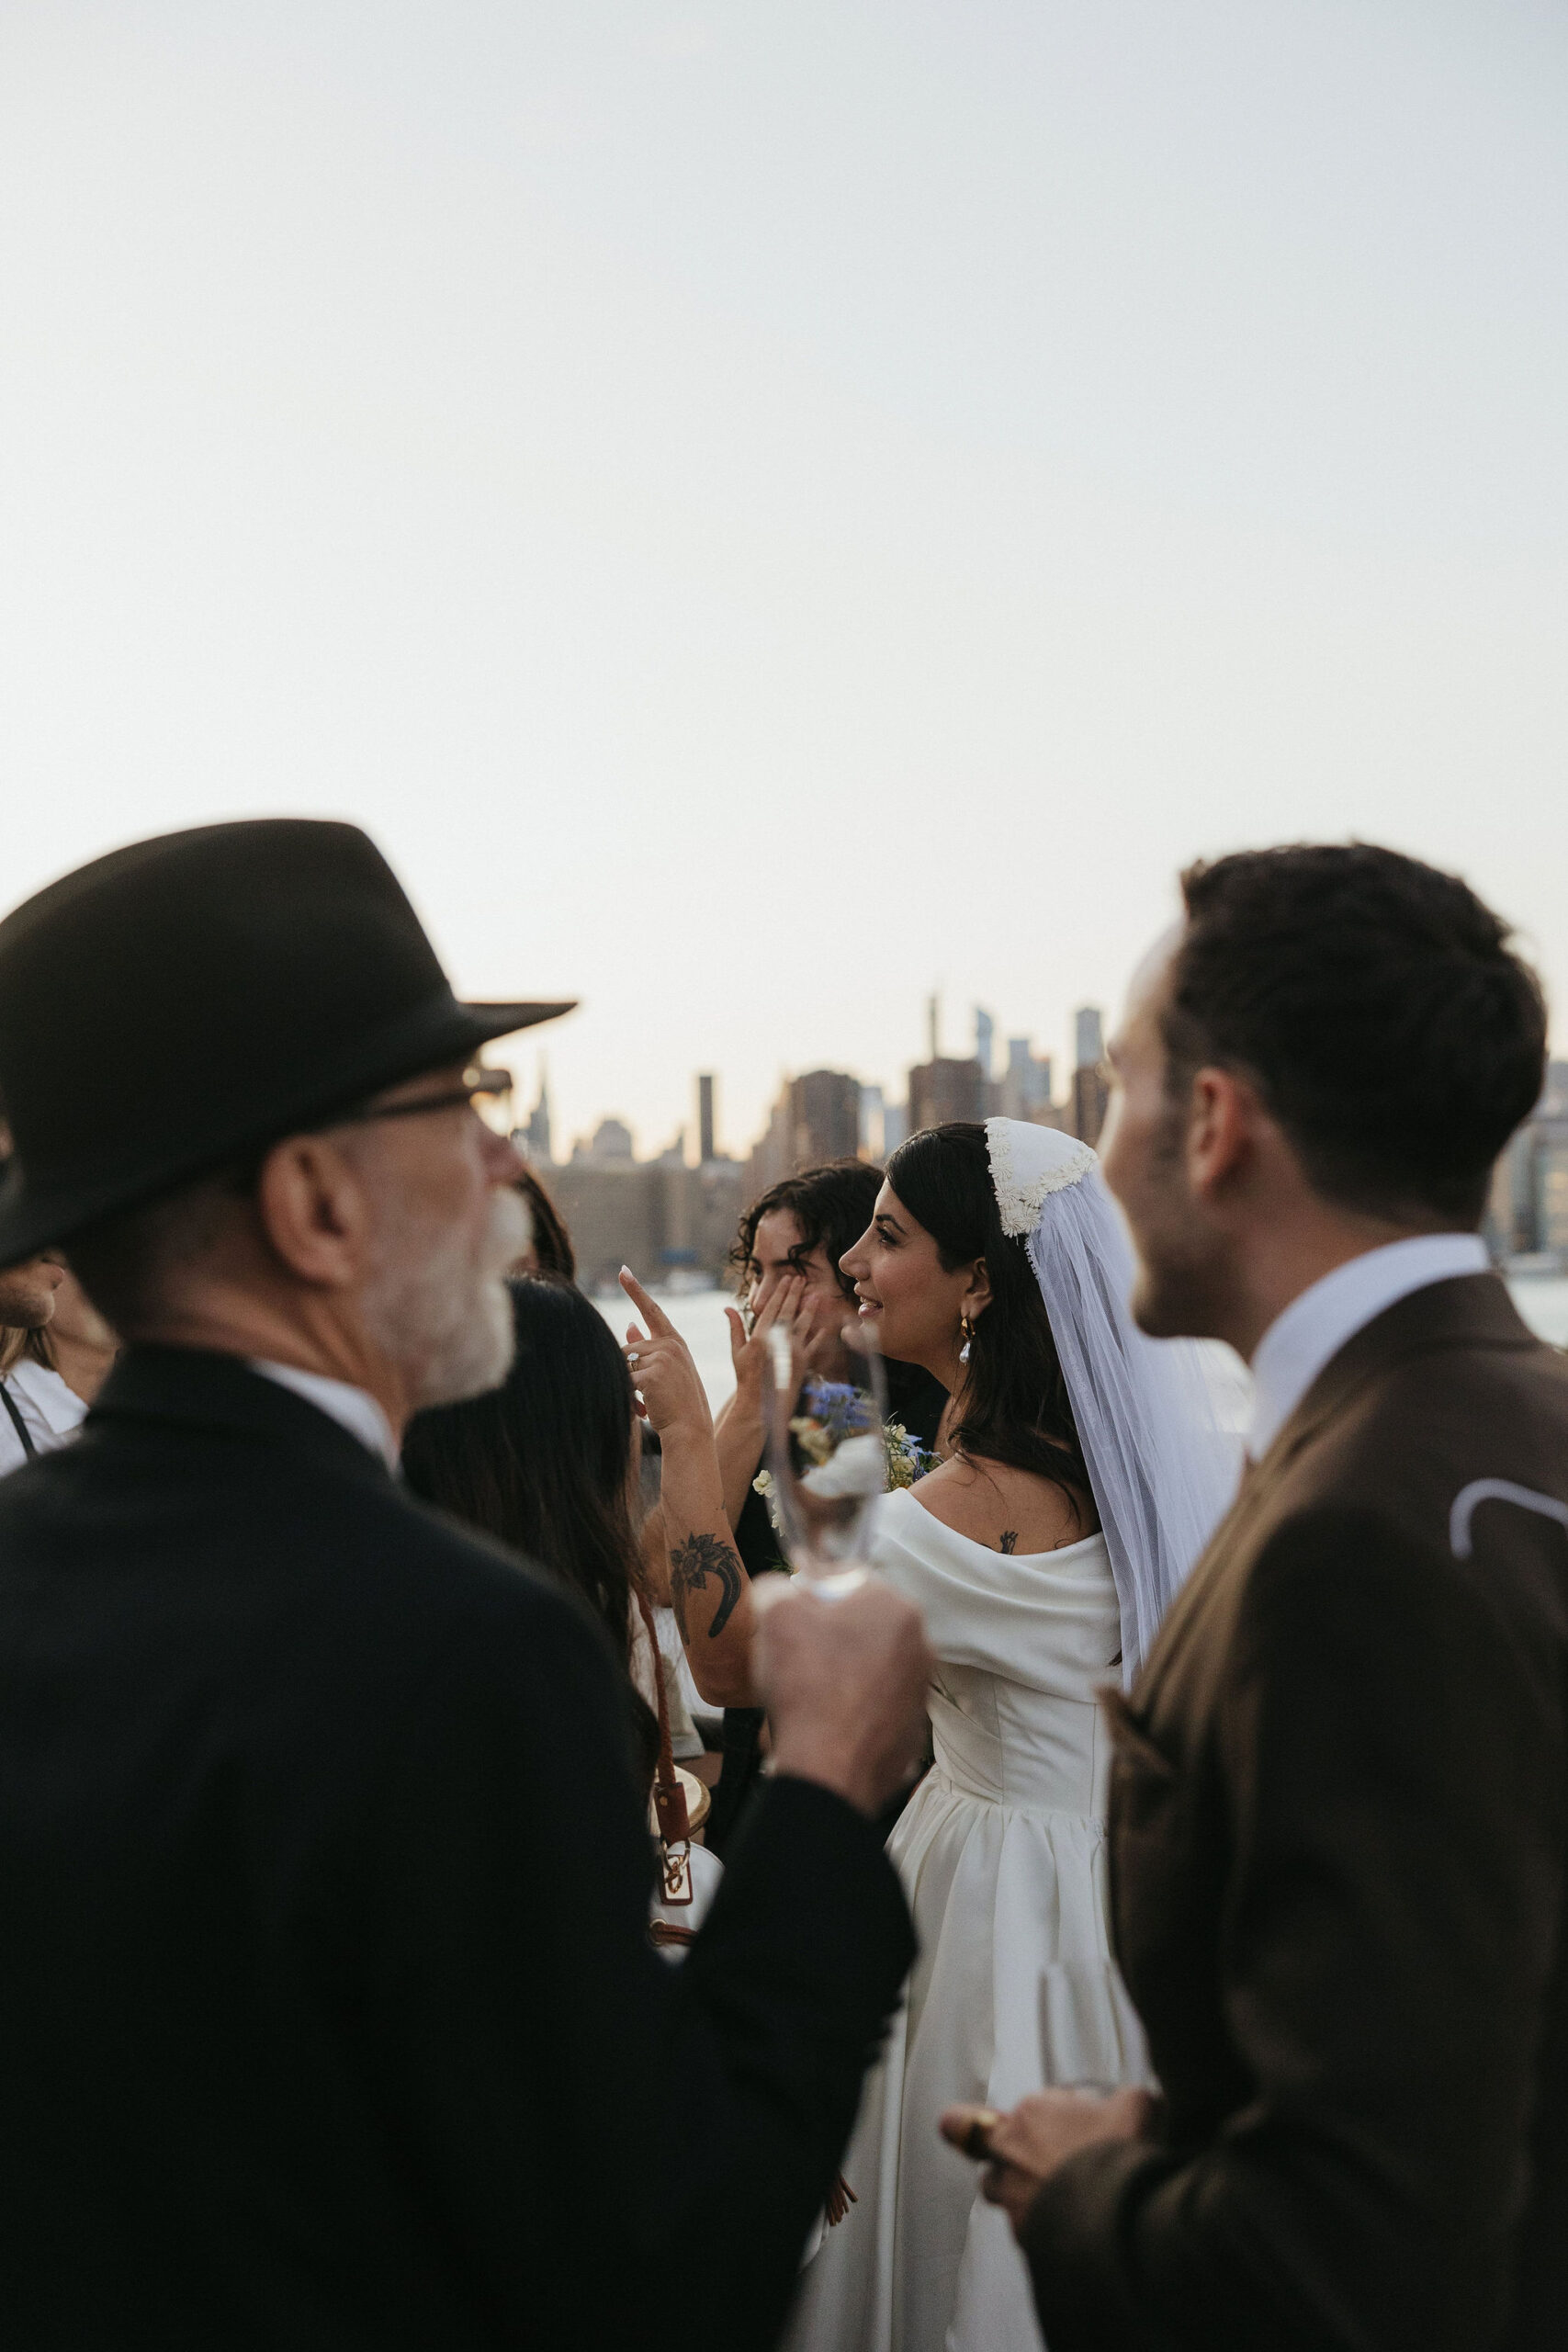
(765, 509)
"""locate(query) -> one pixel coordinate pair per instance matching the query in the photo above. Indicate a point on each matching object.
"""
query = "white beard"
(441, 1309)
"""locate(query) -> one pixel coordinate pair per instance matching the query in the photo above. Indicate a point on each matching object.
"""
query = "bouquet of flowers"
(846, 1447)
(908, 1459)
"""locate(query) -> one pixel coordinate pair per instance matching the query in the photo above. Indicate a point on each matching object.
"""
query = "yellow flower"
(815, 1441)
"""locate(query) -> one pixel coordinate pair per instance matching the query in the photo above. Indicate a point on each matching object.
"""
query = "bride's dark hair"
(1014, 1402)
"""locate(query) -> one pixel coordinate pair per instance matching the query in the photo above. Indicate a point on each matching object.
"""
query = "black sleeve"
(740, 1781)
(1391, 1757)
(625, 2151)
(756, 1538)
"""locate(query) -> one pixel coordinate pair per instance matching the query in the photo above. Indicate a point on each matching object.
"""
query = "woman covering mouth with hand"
(711, 1535)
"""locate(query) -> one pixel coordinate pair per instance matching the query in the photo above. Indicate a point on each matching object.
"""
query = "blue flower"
(839, 1408)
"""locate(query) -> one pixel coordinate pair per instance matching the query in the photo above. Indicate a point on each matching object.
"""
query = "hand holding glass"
(827, 1456)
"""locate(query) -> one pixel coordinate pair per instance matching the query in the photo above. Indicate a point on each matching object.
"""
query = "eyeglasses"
(478, 1085)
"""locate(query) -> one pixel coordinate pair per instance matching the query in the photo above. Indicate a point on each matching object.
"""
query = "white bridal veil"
(1162, 1466)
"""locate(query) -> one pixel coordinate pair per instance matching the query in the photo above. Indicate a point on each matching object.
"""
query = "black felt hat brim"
(40, 1216)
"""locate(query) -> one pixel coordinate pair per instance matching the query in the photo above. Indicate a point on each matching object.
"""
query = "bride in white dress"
(1081, 1477)
(1084, 1469)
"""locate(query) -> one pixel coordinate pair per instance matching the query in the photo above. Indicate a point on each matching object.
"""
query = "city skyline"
(764, 512)
(1007, 1057)
(676, 1215)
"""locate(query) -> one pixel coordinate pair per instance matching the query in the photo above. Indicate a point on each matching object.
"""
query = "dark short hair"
(124, 1261)
(832, 1206)
(1013, 1406)
(1378, 1007)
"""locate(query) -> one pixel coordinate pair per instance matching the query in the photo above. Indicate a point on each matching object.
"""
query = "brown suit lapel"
(1466, 1310)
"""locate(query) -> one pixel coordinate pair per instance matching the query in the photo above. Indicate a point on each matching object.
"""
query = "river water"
(698, 1316)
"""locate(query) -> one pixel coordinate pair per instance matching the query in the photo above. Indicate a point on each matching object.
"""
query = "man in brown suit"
(1339, 1810)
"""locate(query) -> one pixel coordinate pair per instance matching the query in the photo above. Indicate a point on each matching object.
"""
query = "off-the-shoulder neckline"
(1062, 1551)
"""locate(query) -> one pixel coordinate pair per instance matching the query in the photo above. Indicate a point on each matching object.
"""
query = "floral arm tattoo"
(692, 1562)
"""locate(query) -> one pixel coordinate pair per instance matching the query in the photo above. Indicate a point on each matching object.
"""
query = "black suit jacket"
(327, 2012)
(1340, 1837)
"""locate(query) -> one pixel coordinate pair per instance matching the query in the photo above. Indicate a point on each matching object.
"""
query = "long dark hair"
(553, 1252)
(543, 1462)
(1014, 1400)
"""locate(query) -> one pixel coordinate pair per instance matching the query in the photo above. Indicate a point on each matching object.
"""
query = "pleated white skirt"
(1014, 1988)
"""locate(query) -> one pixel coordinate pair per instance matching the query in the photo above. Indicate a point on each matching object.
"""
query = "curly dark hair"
(1014, 1402)
(832, 1206)
(1379, 1008)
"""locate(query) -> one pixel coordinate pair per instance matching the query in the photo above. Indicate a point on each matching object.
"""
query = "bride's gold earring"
(967, 1328)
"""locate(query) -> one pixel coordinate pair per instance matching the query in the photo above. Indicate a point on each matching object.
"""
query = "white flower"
(858, 1467)
(762, 1484)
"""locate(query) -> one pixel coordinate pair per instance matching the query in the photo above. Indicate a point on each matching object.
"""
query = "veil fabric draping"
(1163, 1467)
(1001, 1847)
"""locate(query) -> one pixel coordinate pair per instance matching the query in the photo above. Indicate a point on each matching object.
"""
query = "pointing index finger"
(652, 1314)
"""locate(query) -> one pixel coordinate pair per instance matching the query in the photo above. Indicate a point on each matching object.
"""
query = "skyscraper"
(705, 1117)
(1026, 1084)
(1089, 1030)
(1090, 1093)
(985, 1038)
(537, 1138)
(944, 1090)
(611, 1141)
(825, 1109)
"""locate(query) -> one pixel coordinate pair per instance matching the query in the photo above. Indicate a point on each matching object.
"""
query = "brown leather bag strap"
(668, 1796)
(666, 1753)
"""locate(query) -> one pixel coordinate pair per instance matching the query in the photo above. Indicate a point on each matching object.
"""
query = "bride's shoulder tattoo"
(692, 1561)
(1010, 1540)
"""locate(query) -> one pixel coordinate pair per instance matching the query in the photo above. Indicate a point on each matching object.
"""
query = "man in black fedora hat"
(327, 2012)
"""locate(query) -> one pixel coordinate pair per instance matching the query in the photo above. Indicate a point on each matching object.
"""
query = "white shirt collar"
(53, 1413)
(1314, 1327)
(353, 1409)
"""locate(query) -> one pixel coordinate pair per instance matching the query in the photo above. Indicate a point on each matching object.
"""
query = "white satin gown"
(1001, 1852)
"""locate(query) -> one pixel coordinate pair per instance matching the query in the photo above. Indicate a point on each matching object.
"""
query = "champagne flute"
(827, 1455)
